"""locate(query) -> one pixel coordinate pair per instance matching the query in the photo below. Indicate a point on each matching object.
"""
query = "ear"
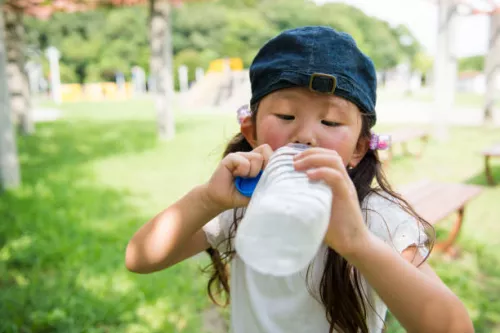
(361, 149)
(248, 130)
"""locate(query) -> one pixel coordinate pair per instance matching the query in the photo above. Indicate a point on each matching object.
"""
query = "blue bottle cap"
(245, 185)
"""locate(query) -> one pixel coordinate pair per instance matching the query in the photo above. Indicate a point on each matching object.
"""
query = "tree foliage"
(97, 44)
(474, 63)
(422, 62)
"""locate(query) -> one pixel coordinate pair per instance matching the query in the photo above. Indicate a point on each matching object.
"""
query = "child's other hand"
(347, 229)
(220, 187)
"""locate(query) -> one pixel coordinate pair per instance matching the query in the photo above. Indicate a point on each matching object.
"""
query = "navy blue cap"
(320, 58)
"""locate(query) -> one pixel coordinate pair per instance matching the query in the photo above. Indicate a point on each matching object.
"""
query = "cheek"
(269, 132)
(343, 142)
(272, 138)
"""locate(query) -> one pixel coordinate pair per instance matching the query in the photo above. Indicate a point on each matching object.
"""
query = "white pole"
(183, 78)
(492, 68)
(199, 74)
(55, 77)
(445, 68)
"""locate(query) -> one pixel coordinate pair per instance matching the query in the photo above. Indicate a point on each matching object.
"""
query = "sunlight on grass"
(160, 175)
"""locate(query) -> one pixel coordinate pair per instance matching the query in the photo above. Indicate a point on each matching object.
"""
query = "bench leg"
(423, 144)
(447, 245)
(487, 170)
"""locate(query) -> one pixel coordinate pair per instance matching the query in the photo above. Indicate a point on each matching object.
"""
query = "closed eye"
(330, 123)
(285, 116)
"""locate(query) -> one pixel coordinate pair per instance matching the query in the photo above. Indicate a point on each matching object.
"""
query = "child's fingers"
(236, 163)
(256, 163)
(329, 159)
(332, 177)
(313, 151)
(328, 166)
(319, 160)
(266, 151)
(244, 164)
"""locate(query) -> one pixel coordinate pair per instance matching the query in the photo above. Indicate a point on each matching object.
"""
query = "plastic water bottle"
(286, 219)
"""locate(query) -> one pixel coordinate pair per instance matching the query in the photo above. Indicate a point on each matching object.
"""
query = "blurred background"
(110, 110)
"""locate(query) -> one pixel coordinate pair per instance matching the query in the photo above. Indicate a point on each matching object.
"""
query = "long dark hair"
(340, 288)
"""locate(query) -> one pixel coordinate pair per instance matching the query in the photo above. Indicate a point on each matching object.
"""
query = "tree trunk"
(18, 79)
(161, 66)
(9, 163)
(492, 68)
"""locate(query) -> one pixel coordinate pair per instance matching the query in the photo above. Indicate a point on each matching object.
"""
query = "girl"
(312, 86)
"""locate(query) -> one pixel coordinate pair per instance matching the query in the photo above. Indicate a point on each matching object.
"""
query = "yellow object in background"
(93, 92)
(109, 90)
(71, 92)
(96, 91)
(218, 65)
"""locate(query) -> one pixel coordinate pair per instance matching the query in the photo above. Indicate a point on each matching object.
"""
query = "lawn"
(91, 179)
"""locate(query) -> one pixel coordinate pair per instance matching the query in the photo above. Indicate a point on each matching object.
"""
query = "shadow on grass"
(62, 241)
(480, 178)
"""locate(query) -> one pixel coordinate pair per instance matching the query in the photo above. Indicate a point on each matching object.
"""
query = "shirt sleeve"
(217, 230)
(389, 221)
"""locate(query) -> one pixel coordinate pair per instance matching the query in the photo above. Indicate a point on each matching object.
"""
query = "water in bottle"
(286, 219)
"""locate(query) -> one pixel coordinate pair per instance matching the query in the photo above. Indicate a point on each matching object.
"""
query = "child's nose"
(305, 136)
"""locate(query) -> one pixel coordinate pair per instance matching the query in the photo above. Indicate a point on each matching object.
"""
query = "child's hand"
(220, 187)
(347, 229)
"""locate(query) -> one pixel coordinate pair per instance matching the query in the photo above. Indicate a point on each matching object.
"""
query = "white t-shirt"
(267, 304)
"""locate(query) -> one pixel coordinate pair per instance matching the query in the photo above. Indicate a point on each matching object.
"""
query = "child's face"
(297, 115)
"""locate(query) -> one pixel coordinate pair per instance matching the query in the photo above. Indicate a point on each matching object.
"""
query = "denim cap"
(320, 58)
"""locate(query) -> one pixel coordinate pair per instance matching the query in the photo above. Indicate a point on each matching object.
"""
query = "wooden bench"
(493, 151)
(403, 136)
(435, 201)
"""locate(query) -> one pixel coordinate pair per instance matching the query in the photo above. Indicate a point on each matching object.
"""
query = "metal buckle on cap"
(332, 81)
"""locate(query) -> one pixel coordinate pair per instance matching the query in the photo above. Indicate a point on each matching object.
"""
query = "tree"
(9, 164)
(161, 60)
(474, 63)
(161, 66)
(160, 41)
(117, 40)
(18, 84)
(410, 46)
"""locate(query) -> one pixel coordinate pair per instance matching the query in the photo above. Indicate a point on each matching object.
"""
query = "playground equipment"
(96, 91)
(225, 86)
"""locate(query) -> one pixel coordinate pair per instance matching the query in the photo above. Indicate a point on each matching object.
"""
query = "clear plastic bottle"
(286, 219)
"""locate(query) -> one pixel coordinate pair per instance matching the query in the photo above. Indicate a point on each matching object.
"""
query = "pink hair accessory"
(242, 113)
(380, 142)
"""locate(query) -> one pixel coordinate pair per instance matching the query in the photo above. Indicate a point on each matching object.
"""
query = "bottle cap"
(246, 185)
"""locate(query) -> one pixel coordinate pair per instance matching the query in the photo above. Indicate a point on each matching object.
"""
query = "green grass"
(91, 179)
